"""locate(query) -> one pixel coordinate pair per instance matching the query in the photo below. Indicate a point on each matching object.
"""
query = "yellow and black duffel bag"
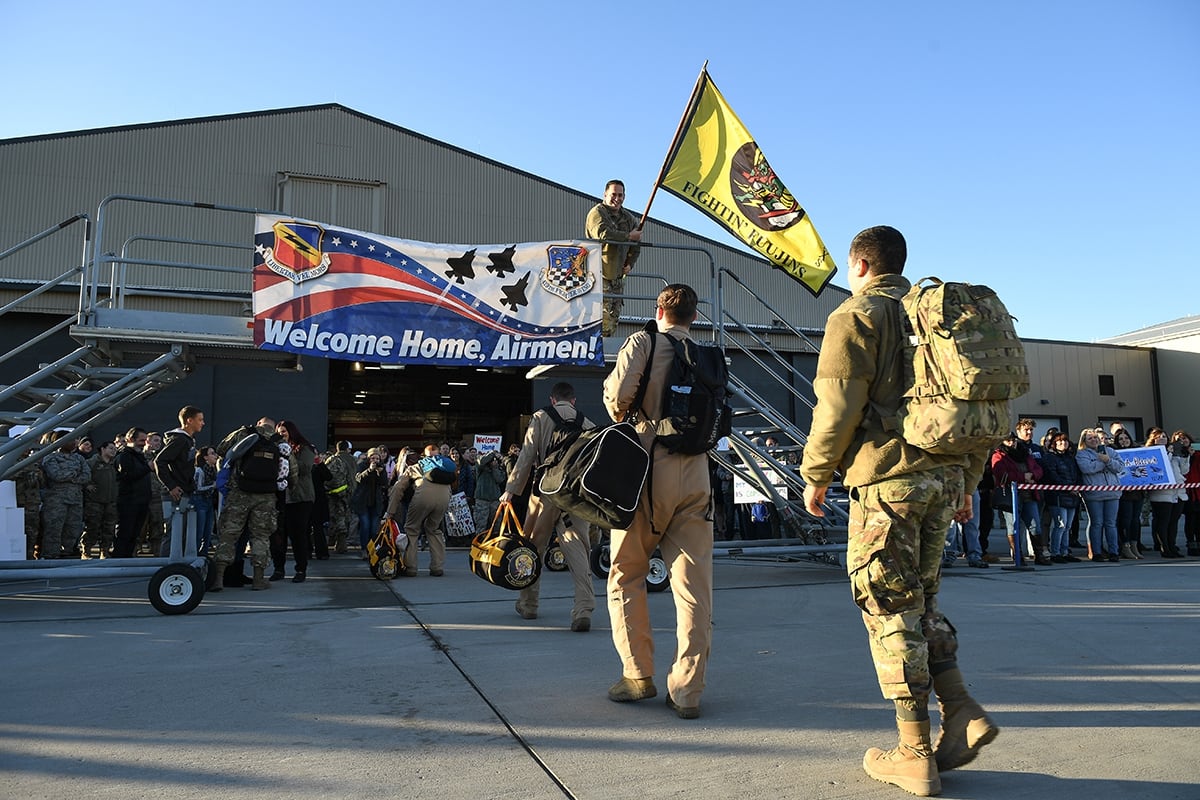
(502, 555)
(383, 551)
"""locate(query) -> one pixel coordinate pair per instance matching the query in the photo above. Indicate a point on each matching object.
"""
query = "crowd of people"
(99, 498)
(1102, 524)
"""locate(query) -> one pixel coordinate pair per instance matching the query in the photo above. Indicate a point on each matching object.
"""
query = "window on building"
(1108, 386)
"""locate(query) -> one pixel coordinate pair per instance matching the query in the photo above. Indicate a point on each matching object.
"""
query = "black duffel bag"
(599, 478)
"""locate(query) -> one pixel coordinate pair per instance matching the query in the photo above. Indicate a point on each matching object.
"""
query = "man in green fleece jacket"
(902, 501)
(609, 222)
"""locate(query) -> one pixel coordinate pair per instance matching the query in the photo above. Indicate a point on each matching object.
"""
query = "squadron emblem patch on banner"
(566, 273)
(297, 253)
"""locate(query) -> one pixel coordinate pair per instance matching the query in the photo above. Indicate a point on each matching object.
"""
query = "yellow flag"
(716, 165)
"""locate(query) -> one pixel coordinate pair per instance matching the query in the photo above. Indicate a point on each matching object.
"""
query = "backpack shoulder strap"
(652, 329)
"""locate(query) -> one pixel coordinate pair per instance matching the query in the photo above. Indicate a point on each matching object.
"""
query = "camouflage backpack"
(963, 363)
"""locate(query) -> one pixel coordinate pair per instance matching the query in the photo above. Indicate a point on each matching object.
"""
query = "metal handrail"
(787, 325)
(53, 229)
(53, 282)
(102, 258)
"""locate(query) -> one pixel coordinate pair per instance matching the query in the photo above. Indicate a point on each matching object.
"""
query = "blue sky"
(1048, 149)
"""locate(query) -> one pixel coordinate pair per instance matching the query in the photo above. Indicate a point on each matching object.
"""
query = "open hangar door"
(399, 406)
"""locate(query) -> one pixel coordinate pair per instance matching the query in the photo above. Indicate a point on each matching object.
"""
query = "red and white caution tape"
(1111, 487)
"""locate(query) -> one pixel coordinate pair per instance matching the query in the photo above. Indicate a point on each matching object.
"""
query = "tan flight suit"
(426, 511)
(541, 519)
(680, 497)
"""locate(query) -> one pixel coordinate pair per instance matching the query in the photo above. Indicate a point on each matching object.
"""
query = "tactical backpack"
(566, 431)
(963, 363)
(438, 469)
(695, 412)
(255, 464)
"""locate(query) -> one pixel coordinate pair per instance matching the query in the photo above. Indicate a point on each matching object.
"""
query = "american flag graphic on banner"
(330, 292)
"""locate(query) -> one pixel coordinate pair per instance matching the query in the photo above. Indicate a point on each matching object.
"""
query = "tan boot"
(966, 727)
(910, 764)
(627, 690)
(260, 579)
(216, 576)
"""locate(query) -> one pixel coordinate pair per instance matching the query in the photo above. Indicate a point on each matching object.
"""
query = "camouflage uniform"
(62, 503)
(607, 224)
(100, 508)
(342, 519)
(894, 557)
(902, 497)
(29, 497)
(155, 522)
(241, 510)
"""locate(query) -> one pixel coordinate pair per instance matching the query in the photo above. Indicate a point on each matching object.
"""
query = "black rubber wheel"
(176, 589)
(554, 559)
(658, 578)
(600, 560)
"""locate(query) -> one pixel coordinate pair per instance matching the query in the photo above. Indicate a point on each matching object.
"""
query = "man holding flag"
(610, 222)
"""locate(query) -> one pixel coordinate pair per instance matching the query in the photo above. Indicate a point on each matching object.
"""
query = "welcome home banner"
(331, 292)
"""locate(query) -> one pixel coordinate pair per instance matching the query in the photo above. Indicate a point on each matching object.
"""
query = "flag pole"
(687, 114)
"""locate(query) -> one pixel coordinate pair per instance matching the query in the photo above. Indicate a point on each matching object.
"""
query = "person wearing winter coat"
(1012, 462)
(1166, 505)
(1059, 467)
(1101, 466)
(1129, 510)
(1191, 507)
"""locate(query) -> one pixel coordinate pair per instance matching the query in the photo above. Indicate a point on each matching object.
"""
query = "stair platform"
(125, 335)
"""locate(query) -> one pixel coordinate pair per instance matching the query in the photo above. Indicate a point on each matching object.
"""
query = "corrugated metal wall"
(431, 191)
(1067, 377)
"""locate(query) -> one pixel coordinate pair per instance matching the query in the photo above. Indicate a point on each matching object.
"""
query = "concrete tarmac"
(348, 687)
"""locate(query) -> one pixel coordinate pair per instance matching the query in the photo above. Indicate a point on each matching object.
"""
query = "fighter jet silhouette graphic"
(514, 293)
(460, 266)
(502, 262)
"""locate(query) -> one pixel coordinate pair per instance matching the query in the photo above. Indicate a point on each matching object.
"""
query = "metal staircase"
(79, 390)
(766, 445)
(125, 354)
